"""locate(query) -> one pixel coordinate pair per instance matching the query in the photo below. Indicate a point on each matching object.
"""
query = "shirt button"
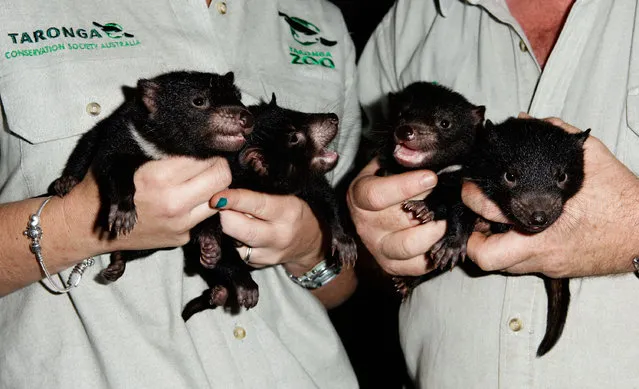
(93, 109)
(221, 7)
(515, 324)
(522, 46)
(239, 333)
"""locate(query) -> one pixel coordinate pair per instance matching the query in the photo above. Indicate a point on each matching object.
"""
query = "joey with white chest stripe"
(530, 168)
(174, 114)
(285, 154)
(432, 127)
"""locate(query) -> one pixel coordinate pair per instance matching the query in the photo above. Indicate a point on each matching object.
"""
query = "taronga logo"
(47, 40)
(307, 34)
(113, 30)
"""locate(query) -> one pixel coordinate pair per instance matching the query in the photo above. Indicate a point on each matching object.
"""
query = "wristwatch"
(320, 275)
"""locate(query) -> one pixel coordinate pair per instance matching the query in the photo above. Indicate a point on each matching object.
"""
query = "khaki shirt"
(464, 332)
(60, 63)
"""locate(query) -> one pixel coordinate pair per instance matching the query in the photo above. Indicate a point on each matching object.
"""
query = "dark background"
(367, 322)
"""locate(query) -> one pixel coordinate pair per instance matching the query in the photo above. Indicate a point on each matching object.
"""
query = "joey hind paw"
(210, 253)
(419, 210)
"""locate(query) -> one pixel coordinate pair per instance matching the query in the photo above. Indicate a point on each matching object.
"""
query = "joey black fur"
(432, 127)
(285, 154)
(179, 113)
(530, 168)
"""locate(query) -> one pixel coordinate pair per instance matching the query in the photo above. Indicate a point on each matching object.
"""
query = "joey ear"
(273, 101)
(229, 77)
(487, 131)
(582, 136)
(149, 90)
(478, 113)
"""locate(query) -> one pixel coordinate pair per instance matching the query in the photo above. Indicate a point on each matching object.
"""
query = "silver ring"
(247, 257)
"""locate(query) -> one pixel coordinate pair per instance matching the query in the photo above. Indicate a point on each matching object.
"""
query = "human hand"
(597, 234)
(172, 196)
(394, 237)
(281, 229)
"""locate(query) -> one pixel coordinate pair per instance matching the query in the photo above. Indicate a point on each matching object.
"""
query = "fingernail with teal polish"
(221, 202)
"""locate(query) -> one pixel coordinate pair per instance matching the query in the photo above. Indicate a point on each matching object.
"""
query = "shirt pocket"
(68, 98)
(628, 146)
(46, 109)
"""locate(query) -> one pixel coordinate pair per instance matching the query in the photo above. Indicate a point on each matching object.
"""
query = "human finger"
(416, 266)
(259, 205)
(474, 198)
(199, 188)
(498, 251)
(375, 193)
(252, 232)
(175, 170)
(411, 242)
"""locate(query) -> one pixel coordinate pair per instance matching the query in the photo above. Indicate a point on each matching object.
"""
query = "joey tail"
(558, 292)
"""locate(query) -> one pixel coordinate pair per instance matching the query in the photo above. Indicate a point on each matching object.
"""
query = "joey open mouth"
(411, 158)
(325, 160)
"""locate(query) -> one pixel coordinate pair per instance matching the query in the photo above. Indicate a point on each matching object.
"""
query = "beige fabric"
(454, 328)
(130, 334)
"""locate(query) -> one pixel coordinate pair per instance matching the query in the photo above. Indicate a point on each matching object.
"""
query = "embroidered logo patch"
(308, 34)
(66, 38)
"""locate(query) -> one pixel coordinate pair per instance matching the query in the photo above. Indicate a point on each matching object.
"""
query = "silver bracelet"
(320, 275)
(34, 232)
(635, 263)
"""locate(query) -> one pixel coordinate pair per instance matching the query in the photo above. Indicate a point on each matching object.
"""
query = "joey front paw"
(345, 248)
(419, 210)
(122, 220)
(449, 250)
(63, 185)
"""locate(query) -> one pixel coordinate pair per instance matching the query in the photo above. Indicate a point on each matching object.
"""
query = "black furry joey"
(530, 168)
(432, 127)
(285, 154)
(179, 113)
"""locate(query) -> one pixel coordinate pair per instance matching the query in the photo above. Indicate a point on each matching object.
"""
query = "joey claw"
(345, 248)
(247, 293)
(419, 210)
(448, 250)
(121, 221)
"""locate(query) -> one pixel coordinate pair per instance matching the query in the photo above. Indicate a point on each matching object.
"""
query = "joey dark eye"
(444, 124)
(295, 138)
(200, 102)
(510, 178)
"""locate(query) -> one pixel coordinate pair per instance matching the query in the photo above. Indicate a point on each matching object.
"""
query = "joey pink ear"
(478, 114)
(148, 91)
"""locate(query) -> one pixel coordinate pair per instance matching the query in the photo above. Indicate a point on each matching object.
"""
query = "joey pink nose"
(333, 119)
(404, 133)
